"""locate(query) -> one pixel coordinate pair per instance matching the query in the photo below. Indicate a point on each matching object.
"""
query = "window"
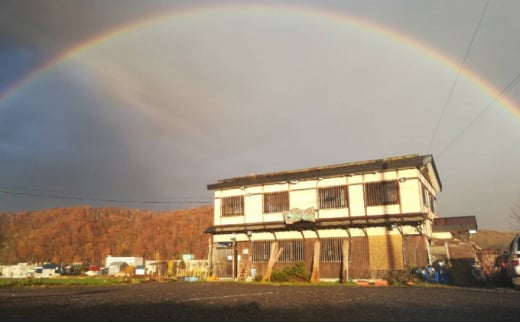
(233, 205)
(432, 203)
(334, 197)
(382, 193)
(331, 250)
(276, 202)
(292, 250)
(261, 251)
(426, 199)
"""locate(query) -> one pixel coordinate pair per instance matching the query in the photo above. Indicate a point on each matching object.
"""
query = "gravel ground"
(214, 301)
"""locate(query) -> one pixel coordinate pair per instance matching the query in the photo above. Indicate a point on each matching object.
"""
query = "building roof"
(118, 264)
(424, 163)
(455, 224)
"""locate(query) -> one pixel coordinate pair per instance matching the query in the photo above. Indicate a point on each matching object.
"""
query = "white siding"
(410, 193)
(303, 198)
(357, 200)
(270, 188)
(303, 194)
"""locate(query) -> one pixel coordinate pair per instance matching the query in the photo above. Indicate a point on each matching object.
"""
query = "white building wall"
(253, 205)
(20, 270)
(303, 194)
(357, 200)
(410, 194)
(303, 198)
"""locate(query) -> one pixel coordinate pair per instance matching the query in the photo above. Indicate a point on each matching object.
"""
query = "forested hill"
(87, 234)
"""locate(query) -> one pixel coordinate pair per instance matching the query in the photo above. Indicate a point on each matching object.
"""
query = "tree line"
(87, 235)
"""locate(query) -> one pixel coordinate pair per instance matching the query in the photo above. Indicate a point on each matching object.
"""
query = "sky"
(141, 104)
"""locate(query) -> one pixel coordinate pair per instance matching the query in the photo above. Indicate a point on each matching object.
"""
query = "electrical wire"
(81, 198)
(509, 86)
(436, 130)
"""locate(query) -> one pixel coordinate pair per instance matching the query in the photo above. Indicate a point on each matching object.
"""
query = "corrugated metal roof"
(332, 170)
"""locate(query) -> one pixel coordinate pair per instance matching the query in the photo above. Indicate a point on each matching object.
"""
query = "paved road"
(252, 302)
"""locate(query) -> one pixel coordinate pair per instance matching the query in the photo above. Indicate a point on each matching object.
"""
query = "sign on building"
(298, 215)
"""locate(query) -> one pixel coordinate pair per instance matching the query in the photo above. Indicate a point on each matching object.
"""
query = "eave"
(413, 219)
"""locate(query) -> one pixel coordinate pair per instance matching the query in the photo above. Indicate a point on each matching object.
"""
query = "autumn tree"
(515, 214)
(86, 234)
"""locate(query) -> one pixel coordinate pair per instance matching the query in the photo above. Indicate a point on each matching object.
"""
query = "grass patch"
(65, 281)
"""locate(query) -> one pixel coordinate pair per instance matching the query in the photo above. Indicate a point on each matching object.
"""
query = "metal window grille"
(426, 198)
(331, 250)
(233, 205)
(334, 197)
(261, 251)
(276, 202)
(292, 250)
(382, 193)
(432, 203)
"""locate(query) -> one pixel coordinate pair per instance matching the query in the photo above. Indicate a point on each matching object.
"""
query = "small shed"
(116, 267)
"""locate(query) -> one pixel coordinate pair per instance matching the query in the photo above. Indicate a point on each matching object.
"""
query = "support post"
(273, 258)
(345, 251)
(315, 276)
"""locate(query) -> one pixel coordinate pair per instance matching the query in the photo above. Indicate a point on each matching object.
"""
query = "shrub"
(296, 273)
(401, 276)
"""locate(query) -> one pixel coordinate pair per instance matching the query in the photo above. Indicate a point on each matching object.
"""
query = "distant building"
(47, 270)
(458, 226)
(132, 261)
(116, 267)
(367, 218)
(21, 270)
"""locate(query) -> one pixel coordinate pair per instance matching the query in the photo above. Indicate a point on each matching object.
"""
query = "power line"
(509, 86)
(435, 131)
(81, 198)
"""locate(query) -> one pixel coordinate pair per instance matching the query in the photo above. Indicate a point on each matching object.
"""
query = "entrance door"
(223, 262)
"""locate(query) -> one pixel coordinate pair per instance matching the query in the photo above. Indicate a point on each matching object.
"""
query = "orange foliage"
(89, 234)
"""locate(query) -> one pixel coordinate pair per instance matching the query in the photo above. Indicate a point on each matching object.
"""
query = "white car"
(513, 265)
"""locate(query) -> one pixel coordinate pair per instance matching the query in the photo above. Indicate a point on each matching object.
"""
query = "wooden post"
(315, 277)
(273, 258)
(344, 266)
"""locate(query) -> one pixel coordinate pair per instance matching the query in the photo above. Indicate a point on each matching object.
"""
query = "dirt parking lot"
(181, 301)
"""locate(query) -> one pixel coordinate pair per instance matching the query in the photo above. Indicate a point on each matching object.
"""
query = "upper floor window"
(334, 197)
(433, 206)
(233, 205)
(426, 198)
(382, 193)
(276, 202)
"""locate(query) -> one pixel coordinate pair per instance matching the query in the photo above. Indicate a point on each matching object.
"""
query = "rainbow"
(269, 9)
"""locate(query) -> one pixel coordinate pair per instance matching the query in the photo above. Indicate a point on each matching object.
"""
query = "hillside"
(490, 239)
(86, 234)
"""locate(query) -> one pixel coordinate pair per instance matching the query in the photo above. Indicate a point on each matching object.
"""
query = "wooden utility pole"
(273, 258)
(315, 276)
(344, 266)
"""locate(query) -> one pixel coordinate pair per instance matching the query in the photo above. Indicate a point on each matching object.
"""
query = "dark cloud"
(163, 110)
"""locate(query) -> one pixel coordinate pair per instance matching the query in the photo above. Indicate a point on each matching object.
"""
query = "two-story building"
(365, 219)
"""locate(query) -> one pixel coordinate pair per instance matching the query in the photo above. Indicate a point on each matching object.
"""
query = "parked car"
(513, 265)
(500, 276)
